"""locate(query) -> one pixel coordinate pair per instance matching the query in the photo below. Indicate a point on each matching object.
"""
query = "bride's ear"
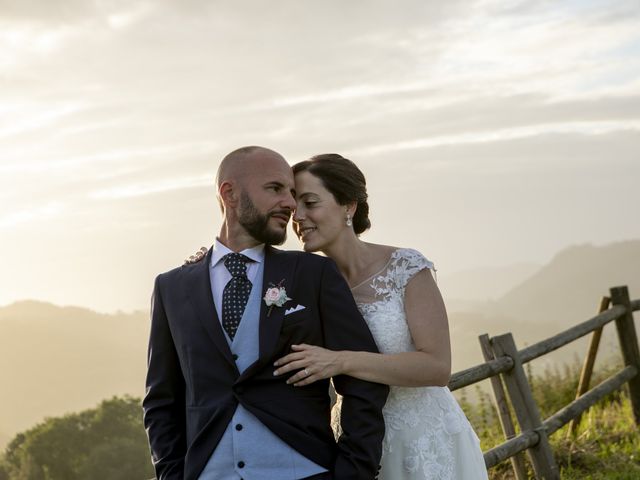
(350, 209)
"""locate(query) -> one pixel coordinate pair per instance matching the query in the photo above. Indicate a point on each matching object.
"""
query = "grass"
(605, 446)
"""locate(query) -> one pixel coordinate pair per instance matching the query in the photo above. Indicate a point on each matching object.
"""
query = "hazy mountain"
(483, 284)
(570, 286)
(562, 293)
(55, 360)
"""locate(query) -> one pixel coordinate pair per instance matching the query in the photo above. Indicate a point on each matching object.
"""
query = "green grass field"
(605, 446)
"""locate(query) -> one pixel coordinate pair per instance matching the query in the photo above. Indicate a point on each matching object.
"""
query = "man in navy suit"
(213, 408)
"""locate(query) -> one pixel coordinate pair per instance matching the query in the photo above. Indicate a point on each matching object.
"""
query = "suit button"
(239, 389)
(240, 464)
(239, 427)
(234, 356)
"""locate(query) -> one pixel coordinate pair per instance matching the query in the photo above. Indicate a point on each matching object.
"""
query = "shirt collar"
(256, 253)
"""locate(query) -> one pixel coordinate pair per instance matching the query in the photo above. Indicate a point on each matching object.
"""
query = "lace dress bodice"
(421, 423)
(380, 299)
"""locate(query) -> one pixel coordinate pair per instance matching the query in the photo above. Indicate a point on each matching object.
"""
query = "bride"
(427, 434)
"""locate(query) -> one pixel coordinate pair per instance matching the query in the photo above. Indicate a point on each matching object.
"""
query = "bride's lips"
(305, 231)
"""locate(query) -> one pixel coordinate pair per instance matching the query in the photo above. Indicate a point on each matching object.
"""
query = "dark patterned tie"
(236, 292)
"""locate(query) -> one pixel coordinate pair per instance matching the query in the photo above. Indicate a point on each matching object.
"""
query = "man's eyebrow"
(274, 183)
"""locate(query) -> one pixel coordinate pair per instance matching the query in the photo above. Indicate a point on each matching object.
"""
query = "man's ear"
(228, 193)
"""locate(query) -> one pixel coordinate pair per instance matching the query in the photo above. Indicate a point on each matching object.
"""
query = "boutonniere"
(275, 295)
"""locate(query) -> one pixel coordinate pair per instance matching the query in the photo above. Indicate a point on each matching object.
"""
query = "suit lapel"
(278, 271)
(198, 286)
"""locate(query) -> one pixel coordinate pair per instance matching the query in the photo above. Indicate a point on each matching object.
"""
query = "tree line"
(107, 443)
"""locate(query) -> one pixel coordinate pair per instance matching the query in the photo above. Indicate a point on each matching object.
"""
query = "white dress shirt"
(220, 276)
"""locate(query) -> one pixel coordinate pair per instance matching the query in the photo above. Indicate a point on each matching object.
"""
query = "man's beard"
(257, 224)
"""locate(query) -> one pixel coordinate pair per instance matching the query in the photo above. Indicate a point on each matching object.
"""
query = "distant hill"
(570, 286)
(485, 283)
(55, 360)
(562, 293)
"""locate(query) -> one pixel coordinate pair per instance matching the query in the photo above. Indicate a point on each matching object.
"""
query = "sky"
(490, 132)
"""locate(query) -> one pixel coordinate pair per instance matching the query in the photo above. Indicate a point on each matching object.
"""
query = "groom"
(213, 408)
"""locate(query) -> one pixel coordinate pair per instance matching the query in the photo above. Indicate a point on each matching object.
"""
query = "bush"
(107, 443)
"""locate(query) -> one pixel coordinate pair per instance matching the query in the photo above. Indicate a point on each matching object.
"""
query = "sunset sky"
(490, 132)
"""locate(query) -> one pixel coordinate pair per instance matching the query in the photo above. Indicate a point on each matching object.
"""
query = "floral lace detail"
(404, 264)
(383, 305)
(425, 427)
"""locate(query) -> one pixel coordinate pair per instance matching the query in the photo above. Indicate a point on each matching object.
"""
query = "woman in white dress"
(427, 435)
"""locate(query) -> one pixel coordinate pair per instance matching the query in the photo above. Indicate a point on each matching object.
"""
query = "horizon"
(533, 267)
(490, 132)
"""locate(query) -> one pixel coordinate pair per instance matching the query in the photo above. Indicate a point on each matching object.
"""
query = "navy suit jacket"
(193, 385)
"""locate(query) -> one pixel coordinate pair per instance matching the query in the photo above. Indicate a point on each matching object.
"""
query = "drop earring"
(349, 222)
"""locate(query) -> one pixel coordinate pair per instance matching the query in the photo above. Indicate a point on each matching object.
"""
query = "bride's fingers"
(308, 380)
(296, 378)
(288, 358)
(291, 366)
(303, 377)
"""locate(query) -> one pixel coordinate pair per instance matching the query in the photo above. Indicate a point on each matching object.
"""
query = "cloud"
(499, 135)
(63, 12)
(47, 211)
(152, 188)
(29, 119)
(124, 156)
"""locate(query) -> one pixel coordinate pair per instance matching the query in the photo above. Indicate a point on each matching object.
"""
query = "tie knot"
(236, 263)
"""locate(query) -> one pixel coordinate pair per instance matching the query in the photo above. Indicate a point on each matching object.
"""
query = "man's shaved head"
(244, 160)
(256, 196)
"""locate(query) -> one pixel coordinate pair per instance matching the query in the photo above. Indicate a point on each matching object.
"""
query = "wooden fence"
(504, 366)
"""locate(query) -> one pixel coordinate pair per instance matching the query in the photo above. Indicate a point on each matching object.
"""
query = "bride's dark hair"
(344, 180)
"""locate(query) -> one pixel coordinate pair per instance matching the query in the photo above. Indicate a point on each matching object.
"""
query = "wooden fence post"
(525, 408)
(628, 344)
(517, 461)
(587, 366)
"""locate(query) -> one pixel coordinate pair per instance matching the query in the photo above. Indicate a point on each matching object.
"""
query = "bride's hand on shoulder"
(311, 362)
(196, 257)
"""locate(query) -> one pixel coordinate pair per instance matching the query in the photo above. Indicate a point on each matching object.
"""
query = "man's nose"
(289, 202)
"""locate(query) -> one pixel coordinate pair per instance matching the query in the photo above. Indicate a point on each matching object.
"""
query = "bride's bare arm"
(429, 365)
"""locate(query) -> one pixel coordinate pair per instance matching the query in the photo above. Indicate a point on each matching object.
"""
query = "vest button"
(239, 427)
(234, 356)
(241, 464)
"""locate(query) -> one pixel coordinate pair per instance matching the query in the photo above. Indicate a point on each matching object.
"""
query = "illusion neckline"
(378, 272)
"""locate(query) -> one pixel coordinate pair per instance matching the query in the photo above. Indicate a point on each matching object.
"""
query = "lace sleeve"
(408, 263)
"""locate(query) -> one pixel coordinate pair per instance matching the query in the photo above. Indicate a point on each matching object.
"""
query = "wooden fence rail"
(505, 367)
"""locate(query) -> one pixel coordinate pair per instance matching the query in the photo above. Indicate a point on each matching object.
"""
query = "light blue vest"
(248, 450)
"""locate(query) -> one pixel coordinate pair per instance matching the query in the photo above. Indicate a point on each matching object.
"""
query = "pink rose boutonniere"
(275, 295)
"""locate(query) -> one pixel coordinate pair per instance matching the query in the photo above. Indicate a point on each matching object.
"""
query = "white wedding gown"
(428, 436)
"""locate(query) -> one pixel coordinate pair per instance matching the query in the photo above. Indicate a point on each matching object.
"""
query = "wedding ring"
(306, 372)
